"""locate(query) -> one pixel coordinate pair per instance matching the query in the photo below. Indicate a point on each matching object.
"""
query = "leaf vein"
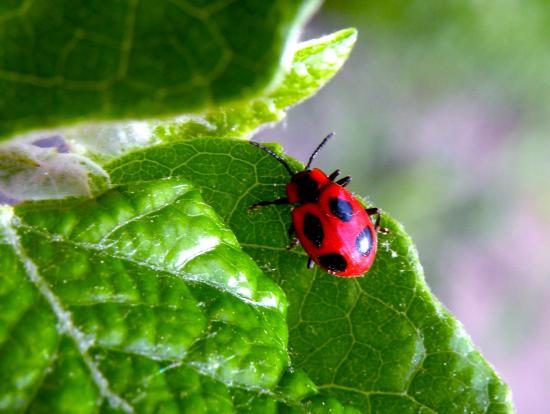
(64, 318)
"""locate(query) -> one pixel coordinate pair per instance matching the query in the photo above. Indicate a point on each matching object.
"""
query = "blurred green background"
(442, 118)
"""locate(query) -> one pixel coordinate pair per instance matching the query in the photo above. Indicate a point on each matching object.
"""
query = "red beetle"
(332, 226)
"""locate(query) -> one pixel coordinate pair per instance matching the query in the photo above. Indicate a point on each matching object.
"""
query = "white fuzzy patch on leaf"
(29, 172)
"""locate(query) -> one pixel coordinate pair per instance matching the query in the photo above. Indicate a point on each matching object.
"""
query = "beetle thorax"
(305, 186)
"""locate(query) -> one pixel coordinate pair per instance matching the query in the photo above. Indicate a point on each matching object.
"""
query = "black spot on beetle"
(333, 262)
(313, 229)
(307, 187)
(341, 208)
(363, 242)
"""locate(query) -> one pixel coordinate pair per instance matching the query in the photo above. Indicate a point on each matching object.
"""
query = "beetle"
(333, 227)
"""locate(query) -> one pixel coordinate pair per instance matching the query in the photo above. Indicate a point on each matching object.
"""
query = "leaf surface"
(139, 300)
(63, 62)
(314, 63)
(30, 172)
(381, 343)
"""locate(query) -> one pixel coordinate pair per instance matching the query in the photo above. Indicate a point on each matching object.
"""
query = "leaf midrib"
(65, 320)
(70, 329)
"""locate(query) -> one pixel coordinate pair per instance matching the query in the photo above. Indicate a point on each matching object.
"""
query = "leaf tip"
(350, 34)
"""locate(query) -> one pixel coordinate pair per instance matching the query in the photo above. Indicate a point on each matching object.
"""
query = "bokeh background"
(442, 118)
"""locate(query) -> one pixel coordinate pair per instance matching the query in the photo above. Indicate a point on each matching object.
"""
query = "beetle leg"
(344, 181)
(293, 243)
(335, 174)
(268, 203)
(291, 230)
(375, 211)
(310, 263)
(293, 239)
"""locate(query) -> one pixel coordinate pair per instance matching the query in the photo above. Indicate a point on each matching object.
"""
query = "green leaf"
(139, 300)
(314, 63)
(63, 62)
(380, 343)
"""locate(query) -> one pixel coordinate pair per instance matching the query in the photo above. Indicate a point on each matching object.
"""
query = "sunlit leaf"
(314, 63)
(63, 62)
(138, 300)
(380, 343)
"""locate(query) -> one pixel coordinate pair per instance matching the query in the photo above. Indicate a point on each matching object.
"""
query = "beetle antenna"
(274, 155)
(316, 152)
